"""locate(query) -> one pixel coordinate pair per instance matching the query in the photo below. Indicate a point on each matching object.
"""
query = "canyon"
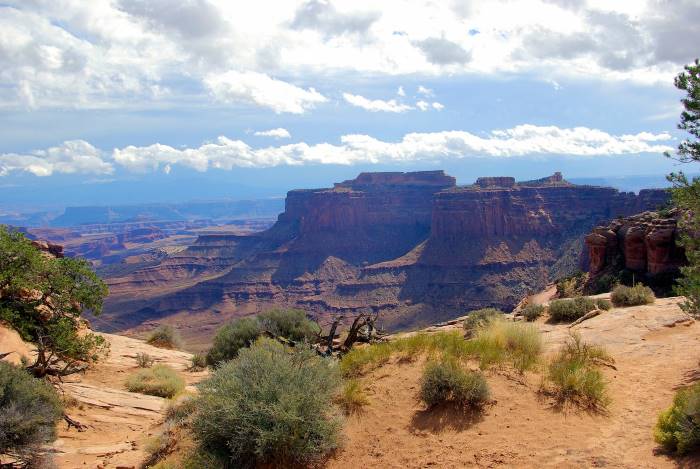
(414, 248)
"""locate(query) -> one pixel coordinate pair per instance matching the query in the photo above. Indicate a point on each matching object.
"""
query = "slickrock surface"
(120, 423)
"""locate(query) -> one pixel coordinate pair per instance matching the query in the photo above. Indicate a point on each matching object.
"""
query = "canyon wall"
(413, 246)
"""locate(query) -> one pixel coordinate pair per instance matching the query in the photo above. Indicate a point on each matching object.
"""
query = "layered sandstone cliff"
(413, 246)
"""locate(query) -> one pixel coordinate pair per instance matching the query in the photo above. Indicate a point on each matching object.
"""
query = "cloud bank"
(224, 153)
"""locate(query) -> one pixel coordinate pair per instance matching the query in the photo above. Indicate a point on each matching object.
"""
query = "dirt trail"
(656, 349)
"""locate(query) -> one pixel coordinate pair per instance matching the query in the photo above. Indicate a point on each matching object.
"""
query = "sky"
(129, 101)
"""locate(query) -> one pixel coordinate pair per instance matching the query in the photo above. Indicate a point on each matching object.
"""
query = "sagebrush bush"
(632, 296)
(446, 381)
(532, 312)
(568, 310)
(198, 362)
(30, 408)
(678, 427)
(574, 374)
(502, 341)
(232, 337)
(479, 317)
(291, 324)
(603, 304)
(144, 360)
(160, 380)
(352, 397)
(165, 336)
(271, 404)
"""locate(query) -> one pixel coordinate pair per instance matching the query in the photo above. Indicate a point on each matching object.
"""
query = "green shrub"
(165, 336)
(603, 304)
(575, 376)
(504, 341)
(160, 380)
(144, 360)
(570, 309)
(30, 408)
(678, 427)
(532, 312)
(291, 324)
(479, 317)
(232, 337)
(198, 362)
(632, 296)
(352, 398)
(572, 285)
(271, 404)
(445, 381)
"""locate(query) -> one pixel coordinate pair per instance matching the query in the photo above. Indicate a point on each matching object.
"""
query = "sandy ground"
(656, 351)
(120, 423)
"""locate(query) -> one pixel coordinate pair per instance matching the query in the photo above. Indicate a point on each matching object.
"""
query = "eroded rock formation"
(414, 246)
(643, 243)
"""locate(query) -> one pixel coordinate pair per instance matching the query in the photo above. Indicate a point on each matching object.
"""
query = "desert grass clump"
(632, 296)
(568, 310)
(160, 380)
(270, 405)
(575, 376)
(678, 427)
(446, 381)
(232, 337)
(352, 397)
(532, 312)
(144, 360)
(502, 341)
(165, 336)
(479, 318)
(30, 408)
(198, 362)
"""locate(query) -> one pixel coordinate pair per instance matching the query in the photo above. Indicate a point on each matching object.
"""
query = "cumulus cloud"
(322, 15)
(274, 133)
(225, 153)
(73, 156)
(261, 90)
(425, 91)
(437, 106)
(423, 105)
(441, 51)
(401, 91)
(376, 105)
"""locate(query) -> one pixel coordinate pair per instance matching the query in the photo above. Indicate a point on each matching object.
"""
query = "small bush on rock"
(479, 318)
(160, 380)
(445, 381)
(632, 296)
(144, 360)
(29, 411)
(269, 405)
(232, 337)
(603, 304)
(165, 336)
(291, 324)
(198, 362)
(678, 427)
(570, 309)
(532, 312)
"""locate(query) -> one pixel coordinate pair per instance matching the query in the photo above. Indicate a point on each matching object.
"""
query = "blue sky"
(118, 101)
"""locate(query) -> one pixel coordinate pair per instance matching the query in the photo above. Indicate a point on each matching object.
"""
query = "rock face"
(413, 246)
(643, 243)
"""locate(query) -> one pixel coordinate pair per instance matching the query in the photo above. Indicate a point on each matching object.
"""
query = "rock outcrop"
(413, 246)
(644, 244)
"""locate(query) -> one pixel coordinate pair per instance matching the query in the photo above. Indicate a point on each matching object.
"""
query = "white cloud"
(73, 156)
(111, 53)
(274, 133)
(261, 90)
(401, 91)
(376, 105)
(422, 105)
(437, 106)
(425, 91)
(521, 141)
